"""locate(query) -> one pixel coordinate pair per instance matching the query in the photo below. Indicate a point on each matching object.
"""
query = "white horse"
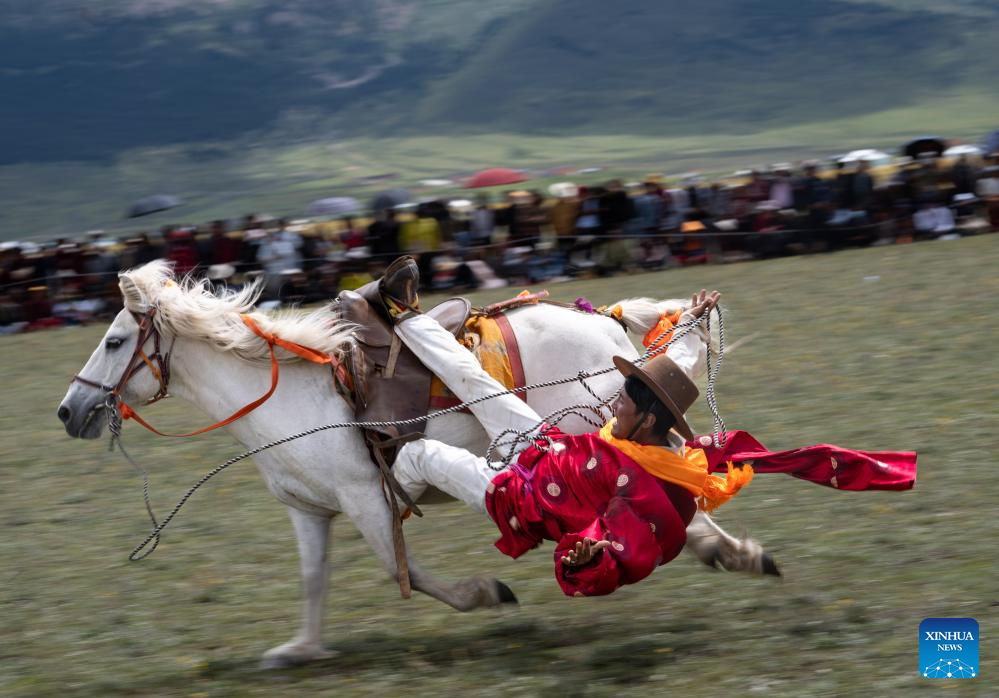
(219, 365)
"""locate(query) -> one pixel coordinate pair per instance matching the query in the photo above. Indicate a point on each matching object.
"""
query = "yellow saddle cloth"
(492, 341)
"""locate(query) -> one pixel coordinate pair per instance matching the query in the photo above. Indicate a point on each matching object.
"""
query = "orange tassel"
(667, 321)
(717, 490)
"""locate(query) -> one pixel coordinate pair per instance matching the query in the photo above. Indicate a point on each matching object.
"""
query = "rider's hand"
(701, 303)
(585, 551)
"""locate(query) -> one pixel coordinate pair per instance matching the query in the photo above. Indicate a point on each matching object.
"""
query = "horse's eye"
(113, 342)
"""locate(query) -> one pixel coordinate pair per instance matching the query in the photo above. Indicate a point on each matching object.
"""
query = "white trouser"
(456, 471)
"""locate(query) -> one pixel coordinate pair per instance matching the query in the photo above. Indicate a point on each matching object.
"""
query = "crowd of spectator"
(526, 237)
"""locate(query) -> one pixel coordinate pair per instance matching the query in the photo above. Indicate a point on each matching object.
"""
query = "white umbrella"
(333, 206)
(563, 190)
(959, 150)
(153, 204)
(867, 155)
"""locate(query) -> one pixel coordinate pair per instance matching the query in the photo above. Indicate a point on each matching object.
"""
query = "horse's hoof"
(505, 594)
(770, 566)
(291, 655)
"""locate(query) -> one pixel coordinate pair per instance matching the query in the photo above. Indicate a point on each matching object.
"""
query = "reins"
(161, 371)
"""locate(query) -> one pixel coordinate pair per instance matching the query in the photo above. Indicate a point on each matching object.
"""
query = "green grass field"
(887, 348)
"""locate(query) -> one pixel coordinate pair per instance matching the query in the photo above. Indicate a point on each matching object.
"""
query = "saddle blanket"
(492, 341)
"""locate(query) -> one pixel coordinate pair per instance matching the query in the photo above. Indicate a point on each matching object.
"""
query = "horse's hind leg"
(369, 511)
(312, 532)
(714, 547)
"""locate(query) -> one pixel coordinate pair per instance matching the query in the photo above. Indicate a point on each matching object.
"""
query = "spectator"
(483, 222)
(182, 251)
(649, 210)
(351, 236)
(526, 218)
(758, 189)
(962, 176)
(616, 208)
(383, 235)
(782, 189)
(862, 186)
(279, 252)
(254, 234)
(220, 248)
(987, 189)
(421, 234)
(933, 220)
(814, 197)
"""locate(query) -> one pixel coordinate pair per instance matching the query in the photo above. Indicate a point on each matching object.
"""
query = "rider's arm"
(632, 555)
(690, 351)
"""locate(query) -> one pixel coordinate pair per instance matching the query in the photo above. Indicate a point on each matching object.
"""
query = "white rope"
(517, 437)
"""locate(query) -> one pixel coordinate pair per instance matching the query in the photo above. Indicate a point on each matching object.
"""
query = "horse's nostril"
(64, 413)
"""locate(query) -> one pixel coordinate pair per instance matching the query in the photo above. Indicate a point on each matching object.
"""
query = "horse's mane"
(189, 307)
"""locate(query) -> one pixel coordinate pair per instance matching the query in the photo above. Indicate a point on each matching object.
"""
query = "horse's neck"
(219, 383)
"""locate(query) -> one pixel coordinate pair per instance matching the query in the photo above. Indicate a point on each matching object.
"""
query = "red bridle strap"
(313, 355)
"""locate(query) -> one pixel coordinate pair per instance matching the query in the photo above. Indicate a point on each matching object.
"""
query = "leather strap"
(513, 351)
(272, 339)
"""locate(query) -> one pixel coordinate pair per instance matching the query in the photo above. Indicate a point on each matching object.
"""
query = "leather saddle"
(390, 383)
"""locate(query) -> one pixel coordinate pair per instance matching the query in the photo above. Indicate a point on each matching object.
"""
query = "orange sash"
(689, 470)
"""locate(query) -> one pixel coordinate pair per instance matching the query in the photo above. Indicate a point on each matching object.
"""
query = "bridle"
(158, 363)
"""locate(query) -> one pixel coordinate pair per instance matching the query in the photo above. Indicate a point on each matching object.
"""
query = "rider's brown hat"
(669, 383)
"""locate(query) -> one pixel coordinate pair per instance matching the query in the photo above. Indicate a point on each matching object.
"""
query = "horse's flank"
(190, 308)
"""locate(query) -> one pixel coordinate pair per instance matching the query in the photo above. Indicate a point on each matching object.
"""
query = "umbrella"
(390, 198)
(494, 177)
(333, 206)
(152, 204)
(926, 144)
(959, 150)
(866, 155)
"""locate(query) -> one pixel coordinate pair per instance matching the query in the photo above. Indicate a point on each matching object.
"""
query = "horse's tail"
(640, 315)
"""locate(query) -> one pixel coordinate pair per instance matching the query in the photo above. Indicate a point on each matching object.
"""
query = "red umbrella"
(494, 177)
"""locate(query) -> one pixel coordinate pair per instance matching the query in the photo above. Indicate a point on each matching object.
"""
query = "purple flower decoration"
(584, 305)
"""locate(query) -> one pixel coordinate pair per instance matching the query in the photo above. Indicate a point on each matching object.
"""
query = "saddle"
(390, 383)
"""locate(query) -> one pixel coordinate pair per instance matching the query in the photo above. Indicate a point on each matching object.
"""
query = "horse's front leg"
(313, 532)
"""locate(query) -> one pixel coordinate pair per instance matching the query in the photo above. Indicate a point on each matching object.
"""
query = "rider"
(617, 502)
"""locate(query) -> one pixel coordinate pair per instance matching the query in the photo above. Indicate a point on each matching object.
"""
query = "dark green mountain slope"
(735, 65)
(84, 81)
(88, 81)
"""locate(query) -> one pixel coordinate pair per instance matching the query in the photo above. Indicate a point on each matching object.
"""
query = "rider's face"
(627, 415)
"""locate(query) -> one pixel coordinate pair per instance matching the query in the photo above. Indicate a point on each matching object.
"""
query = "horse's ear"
(131, 293)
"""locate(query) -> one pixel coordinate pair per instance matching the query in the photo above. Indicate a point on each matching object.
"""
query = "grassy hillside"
(859, 348)
(91, 82)
(47, 199)
(713, 65)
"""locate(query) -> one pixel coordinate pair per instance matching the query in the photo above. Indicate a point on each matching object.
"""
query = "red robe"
(823, 464)
(584, 487)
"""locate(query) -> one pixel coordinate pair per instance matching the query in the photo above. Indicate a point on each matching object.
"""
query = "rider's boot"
(400, 285)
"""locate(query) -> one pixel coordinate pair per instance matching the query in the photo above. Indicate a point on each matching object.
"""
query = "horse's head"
(116, 364)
